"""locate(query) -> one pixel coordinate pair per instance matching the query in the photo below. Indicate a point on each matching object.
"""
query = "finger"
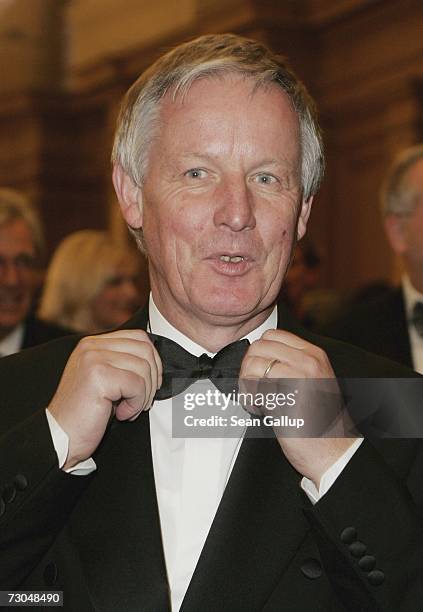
(119, 343)
(311, 362)
(128, 345)
(276, 350)
(269, 351)
(132, 396)
(285, 337)
(136, 334)
(144, 348)
(255, 366)
(141, 336)
(159, 366)
(116, 367)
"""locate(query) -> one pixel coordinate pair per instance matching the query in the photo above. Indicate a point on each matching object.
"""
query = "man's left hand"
(295, 358)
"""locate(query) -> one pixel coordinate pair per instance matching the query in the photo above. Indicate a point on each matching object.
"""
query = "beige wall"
(32, 45)
(371, 106)
(103, 28)
(362, 60)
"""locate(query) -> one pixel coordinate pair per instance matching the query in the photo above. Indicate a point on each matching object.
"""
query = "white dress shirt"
(12, 342)
(191, 473)
(411, 296)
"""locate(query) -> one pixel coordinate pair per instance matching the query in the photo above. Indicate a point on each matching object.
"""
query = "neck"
(211, 332)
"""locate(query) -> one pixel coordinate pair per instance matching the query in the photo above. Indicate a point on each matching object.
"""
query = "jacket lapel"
(138, 321)
(259, 518)
(116, 525)
(256, 532)
(117, 528)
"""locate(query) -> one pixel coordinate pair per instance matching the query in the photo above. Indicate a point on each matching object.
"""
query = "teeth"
(228, 259)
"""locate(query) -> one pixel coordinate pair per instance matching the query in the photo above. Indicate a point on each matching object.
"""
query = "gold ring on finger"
(270, 366)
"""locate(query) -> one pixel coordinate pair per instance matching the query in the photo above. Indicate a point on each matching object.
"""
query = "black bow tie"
(417, 317)
(180, 368)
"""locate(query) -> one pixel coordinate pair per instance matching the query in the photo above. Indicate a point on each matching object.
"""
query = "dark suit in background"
(379, 326)
(38, 331)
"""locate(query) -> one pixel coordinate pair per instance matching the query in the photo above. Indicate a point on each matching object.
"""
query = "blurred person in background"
(311, 305)
(91, 283)
(21, 253)
(370, 291)
(392, 324)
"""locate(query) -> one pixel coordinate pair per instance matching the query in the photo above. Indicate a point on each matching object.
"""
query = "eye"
(24, 261)
(265, 179)
(196, 173)
(114, 281)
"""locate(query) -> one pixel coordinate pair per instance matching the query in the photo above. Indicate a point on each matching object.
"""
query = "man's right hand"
(120, 371)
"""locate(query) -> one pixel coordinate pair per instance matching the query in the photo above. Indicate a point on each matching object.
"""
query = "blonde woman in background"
(91, 283)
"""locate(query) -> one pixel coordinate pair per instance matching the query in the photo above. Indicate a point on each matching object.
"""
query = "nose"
(9, 274)
(130, 289)
(235, 206)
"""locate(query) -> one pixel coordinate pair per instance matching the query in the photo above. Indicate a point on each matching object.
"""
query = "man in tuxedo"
(392, 325)
(21, 248)
(217, 158)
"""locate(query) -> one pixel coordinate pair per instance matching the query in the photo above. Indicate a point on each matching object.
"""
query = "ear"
(303, 217)
(396, 233)
(129, 196)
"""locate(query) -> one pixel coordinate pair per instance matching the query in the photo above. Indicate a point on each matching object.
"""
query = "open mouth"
(232, 264)
(232, 259)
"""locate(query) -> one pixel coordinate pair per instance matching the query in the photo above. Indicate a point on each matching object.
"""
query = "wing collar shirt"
(191, 473)
(411, 297)
(12, 342)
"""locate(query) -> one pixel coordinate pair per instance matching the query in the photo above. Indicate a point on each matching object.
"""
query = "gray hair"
(397, 198)
(16, 205)
(204, 57)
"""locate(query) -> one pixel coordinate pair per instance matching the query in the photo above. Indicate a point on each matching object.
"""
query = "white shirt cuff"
(331, 474)
(61, 446)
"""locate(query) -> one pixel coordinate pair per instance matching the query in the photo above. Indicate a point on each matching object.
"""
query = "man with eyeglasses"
(21, 248)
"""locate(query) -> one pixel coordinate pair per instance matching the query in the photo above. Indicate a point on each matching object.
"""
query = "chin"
(230, 306)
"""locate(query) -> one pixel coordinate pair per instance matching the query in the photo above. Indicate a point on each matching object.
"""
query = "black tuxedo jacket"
(379, 326)
(37, 332)
(98, 538)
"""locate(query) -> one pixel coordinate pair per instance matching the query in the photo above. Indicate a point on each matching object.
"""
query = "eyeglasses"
(22, 263)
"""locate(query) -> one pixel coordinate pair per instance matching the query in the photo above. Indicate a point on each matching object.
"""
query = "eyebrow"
(198, 155)
(207, 156)
(270, 162)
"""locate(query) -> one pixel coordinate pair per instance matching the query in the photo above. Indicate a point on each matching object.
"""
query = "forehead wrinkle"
(230, 137)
